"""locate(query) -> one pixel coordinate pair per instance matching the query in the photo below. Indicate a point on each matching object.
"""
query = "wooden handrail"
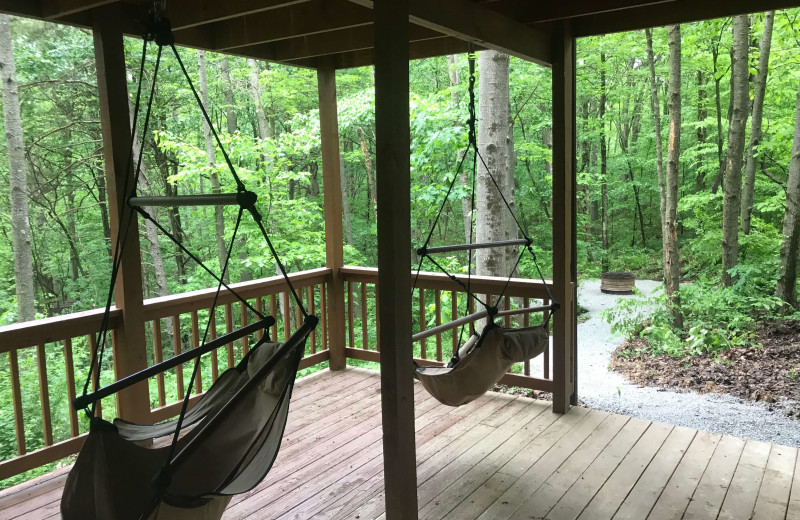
(58, 328)
(517, 287)
(444, 327)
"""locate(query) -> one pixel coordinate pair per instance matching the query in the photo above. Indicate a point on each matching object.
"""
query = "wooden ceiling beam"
(433, 47)
(30, 8)
(332, 42)
(480, 25)
(298, 20)
(199, 12)
(677, 11)
(54, 9)
(530, 13)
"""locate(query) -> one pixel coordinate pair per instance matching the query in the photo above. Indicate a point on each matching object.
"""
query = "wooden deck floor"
(499, 457)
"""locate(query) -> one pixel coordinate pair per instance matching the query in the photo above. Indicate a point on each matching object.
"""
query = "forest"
(688, 168)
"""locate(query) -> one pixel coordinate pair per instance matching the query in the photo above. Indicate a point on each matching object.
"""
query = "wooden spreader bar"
(204, 199)
(81, 402)
(475, 317)
(478, 245)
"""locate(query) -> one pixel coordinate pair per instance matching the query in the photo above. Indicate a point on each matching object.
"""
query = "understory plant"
(716, 318)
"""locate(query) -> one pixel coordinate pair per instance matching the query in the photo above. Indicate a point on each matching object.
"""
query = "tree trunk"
(603, 163)
(672, 270)
(494, 144)
(718, 104)
(230, 103)
(732, 186)
(702, 133)
(18, 182)
(370, 173)
(211, 154)
(759, 87)
(255, 94)
(466, 202)
(348, 227)
(786, 289)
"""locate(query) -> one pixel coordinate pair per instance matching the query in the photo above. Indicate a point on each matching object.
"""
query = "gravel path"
(606, 390)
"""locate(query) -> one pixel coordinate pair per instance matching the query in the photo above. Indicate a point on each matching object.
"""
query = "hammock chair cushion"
(113, 476)
(484, 365)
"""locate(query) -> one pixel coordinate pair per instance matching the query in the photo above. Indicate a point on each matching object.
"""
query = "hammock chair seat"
(483, 363)
(114, 475)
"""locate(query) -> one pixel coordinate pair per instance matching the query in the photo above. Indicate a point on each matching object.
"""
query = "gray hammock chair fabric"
(225, 444)
(233, 433)
(482, 362)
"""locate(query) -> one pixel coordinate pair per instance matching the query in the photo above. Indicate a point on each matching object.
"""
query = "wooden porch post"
(392, 133)
(130, 354)
(564, 236)
(332, 196)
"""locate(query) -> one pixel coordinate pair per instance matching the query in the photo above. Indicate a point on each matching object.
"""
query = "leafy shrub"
(715, 318)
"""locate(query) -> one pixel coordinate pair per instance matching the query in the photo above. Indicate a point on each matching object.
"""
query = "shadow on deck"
(499, 457)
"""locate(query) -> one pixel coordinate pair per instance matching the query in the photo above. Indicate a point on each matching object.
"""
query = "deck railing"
(55, 352)
(438, 299)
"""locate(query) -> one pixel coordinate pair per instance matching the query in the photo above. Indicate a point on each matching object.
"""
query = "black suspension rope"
(472, 145)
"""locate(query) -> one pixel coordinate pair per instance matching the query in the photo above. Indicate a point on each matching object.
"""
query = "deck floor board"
(498, 457)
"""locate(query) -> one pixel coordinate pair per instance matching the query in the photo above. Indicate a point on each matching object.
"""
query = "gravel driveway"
(606, 390)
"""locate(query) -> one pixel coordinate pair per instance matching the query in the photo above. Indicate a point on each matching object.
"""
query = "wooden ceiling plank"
(678, 11)
(530, 13)
(306, 19)
(333, 42)
(30, 8)
(54, 9)
(191, 13)
(480, 25)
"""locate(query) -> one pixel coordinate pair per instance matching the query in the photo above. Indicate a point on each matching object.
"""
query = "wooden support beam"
(209, 11)
(293, 21)
(393, 141)
(668, 13)
(323, 44)
(480, 25)
(130, 354)
(564, 258)
(32, 8)
(54, 9)
(332, 188)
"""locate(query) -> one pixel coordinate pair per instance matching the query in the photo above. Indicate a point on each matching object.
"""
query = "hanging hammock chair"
(228, 441)
(484, 358)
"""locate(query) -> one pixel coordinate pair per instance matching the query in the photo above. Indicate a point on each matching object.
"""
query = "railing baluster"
(526, 322)
(350, 326)
(273, 310)
(212, 332)
(44, 395)
(310, 299)
(364, 333)
(243, 322)
(158, 357)
(69, 367)
(98, 410)
(377, 321)
(198, 381)
(176, 349)
(507, 306)
(323, 303)
(228, 330)
(16, 395)
(298, 314)
(453, 316)
(437, 302)
(287, 316)
(260, 309)
(546, 360)
(423, 347)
